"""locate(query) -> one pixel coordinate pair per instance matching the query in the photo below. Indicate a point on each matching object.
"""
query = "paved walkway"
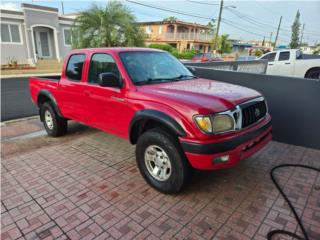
(86, 185)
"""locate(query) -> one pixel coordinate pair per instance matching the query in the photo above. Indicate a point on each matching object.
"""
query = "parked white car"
(290, 62)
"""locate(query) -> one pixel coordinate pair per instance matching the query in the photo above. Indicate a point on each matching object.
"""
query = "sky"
(244, 20)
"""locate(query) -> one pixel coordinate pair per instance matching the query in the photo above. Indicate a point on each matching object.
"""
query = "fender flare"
(150, 114)
(53, 101)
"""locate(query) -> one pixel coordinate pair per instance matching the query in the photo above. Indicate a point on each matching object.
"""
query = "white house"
(33, 33)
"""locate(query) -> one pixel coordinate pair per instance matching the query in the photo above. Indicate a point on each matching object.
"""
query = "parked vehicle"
(177, 121)
(206, 57)
(290, 62)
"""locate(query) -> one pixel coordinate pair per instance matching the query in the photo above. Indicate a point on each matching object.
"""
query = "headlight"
(222, 123)
(214, 124)
(204, 123)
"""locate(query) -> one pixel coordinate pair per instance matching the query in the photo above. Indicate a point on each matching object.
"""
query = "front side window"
(74, 67)
(270, 57)
(101, 63)
(150, 67)
(10, 33)
(284, 56)
(67, 37)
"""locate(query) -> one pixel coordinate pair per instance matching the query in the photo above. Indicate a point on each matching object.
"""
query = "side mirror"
(192, 69)
(109, 79)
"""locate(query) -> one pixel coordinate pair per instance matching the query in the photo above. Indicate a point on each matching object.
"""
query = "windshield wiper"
(185, 76)
(157, 80)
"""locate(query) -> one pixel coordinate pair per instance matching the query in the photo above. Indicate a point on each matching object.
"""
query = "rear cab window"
(284, 56)
(75, 67)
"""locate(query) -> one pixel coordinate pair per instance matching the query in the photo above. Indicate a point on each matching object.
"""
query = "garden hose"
(276, 232)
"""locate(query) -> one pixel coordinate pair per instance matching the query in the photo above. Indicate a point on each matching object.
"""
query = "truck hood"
(202, 94)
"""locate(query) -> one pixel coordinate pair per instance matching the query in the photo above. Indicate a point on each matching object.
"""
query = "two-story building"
(179, 34)
(34, 33)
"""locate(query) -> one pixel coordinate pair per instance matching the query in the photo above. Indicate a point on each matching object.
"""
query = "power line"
(168, 10)
(204, 3)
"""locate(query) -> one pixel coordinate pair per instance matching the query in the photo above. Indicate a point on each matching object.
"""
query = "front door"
(106, 107)
(42, 42)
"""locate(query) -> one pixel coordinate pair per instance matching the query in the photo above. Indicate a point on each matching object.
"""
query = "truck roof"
(116, 49)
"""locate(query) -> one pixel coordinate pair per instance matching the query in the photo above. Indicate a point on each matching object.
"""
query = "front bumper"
(201, 155)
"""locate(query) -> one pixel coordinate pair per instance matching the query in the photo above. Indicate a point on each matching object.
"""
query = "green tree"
(212, 27)
(224, 44)
(170, 19)
(109, 26)
(295, 28)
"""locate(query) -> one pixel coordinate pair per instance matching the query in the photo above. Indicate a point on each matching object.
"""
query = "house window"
(148, 30)
(10, 33)
(67, 37)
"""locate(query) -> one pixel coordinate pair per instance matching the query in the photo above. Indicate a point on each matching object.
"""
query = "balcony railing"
(188, 36)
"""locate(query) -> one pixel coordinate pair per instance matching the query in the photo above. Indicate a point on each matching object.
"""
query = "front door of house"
(42, 41)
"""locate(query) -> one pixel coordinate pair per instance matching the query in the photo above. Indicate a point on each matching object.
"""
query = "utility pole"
(270, 40)
(275, 41)
(263, 41)
(62, 7)
(301, 34)
(218, 27)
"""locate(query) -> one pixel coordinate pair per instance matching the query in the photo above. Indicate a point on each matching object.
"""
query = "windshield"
(146, 67)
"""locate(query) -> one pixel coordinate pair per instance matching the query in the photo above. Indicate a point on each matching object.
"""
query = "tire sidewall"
(177, 178)
(47, 107)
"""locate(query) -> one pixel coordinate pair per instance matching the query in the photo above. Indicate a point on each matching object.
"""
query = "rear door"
(284, 64)
(71, 88)
(106, 107)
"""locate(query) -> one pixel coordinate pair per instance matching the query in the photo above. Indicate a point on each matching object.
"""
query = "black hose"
(275, 232)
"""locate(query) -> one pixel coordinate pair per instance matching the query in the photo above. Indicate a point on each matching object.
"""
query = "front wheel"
(53, 123)
(162, 162)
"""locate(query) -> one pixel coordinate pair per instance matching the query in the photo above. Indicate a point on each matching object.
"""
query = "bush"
(165, 47)
(187, 54)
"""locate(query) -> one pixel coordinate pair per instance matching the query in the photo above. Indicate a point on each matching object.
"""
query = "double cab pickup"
(177, 121)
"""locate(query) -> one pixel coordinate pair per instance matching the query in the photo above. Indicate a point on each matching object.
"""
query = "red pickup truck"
(177, 120)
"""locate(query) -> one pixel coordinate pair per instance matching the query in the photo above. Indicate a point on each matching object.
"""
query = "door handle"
(287, 63)
(270, 64)
(86, 93)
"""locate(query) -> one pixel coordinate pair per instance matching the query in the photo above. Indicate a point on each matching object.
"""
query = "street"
(15, 99)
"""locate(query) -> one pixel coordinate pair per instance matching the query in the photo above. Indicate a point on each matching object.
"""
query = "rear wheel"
(313, 73)
(53, 123)
(162, 162)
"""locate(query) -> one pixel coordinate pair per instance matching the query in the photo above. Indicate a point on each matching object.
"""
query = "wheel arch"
(311, 69)
(46, 96)
(147, 119)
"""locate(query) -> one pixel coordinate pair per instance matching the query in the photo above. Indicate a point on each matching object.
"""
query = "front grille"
(252, 113)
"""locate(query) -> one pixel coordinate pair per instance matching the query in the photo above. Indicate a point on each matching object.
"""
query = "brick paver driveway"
(86, 185)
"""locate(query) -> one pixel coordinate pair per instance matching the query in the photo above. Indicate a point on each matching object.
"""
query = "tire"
(54, 125)
(313, 73)
(159, 142)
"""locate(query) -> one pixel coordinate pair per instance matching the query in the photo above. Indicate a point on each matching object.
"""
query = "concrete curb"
(18, 120)
(29, 75)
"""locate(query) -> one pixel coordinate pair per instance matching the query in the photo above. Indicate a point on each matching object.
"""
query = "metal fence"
(255, 66)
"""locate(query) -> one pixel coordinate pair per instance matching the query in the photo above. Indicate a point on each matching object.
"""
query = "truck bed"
(37, 84)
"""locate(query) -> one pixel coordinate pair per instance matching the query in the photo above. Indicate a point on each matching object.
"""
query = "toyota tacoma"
(177, 121)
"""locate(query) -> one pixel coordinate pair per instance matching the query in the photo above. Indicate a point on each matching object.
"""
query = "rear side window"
(101, 63)
(284, 56)
(74, 67)
(270, 57)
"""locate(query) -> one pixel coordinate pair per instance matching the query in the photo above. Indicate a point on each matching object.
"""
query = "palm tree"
(109, 26)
